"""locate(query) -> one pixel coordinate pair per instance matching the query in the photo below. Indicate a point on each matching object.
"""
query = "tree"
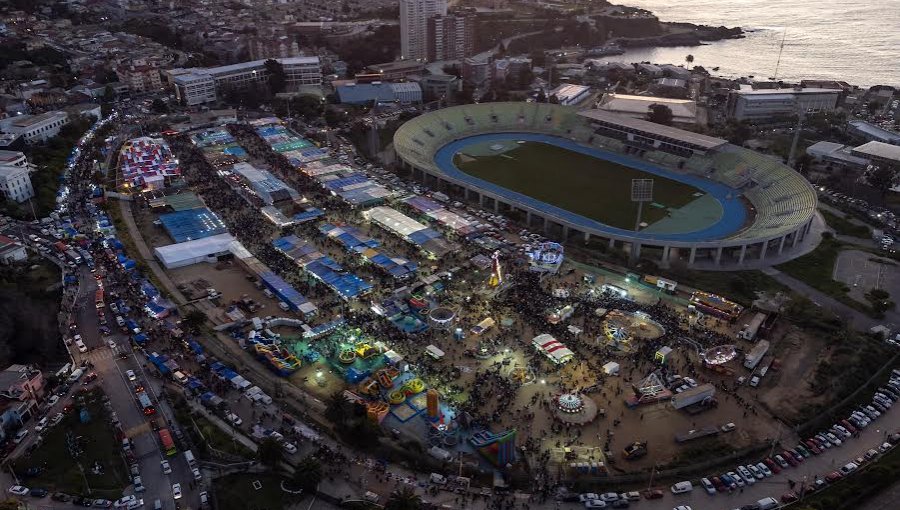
(403, 498)
(882, 179)
(194, 319)
(338, 409)
(308, 474)
(159, 106)
(277, 80)
(689, 59)
(660, 114)
(270, 453)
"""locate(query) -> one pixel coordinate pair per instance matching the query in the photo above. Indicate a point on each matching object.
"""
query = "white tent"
(434, 352)
(611, 368)
(196, 251)
(553, 348)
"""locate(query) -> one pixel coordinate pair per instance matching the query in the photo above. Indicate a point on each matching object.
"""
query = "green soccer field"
(594, 188)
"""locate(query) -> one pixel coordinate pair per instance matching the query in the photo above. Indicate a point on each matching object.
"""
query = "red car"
(654, 494)
(773, 466)
(813, 447)
(790, 458)
(849, 426)
(833, 476)
(789, 497)
(717, 483)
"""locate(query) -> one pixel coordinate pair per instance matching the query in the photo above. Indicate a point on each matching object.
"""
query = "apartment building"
(450, 37)
(197, 86)
(414, 16)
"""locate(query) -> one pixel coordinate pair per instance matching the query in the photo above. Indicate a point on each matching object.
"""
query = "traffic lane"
(136, 426)
(832, 459)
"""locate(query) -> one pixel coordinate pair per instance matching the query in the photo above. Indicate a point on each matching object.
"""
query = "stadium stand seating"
(782, 198)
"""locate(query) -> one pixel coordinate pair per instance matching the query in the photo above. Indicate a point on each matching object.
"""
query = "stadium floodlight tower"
(641, 191)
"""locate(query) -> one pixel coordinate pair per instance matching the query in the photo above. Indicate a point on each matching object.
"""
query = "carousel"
(574, 409)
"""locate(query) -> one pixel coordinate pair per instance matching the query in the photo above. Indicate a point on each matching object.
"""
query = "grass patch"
(585, 185)
(845, 227)
(236, 492)
(98, 443)
(220, 440)
(816, 267)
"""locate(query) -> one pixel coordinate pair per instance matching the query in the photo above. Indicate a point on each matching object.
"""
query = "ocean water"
(858, 42)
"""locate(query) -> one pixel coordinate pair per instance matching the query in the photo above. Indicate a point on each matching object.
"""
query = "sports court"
(592, 185)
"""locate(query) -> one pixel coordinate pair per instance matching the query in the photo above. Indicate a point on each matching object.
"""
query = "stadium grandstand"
(753, 207)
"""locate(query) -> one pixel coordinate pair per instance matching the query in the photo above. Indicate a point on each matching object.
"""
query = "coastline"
(634, 27)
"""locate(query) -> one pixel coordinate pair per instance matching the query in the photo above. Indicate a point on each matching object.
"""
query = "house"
(21, 386)
(11, 251)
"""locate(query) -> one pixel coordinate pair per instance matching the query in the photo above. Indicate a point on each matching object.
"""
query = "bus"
(145, 403)
(168, 446)
(98, 299)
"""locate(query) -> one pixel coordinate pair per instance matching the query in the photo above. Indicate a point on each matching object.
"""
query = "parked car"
(708, 486)
(18, 490)
(682, 487)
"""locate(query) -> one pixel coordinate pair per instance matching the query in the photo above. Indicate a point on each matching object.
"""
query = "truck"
(752, 358)
(73, 256)
(692, 396)
(750, 330)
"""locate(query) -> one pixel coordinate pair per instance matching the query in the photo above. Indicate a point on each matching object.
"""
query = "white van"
(682, 487)
(767, 503)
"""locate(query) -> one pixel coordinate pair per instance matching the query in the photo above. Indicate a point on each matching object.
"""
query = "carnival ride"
(621, 329)
(718, 355)
(574, 409)
(496, 277)
(545, 257)
(649, 390)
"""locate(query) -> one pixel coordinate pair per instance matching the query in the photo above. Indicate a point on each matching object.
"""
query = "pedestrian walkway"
(147, 255)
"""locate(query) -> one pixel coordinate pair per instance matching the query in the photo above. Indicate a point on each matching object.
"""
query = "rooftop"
(26, 121)
(789, 92)
(879, 150)
(681, 108)
(706, 142)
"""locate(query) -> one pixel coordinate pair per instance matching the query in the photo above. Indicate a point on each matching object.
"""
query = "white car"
(289, 447)
(131, 375)
(587, 496)
(56, 419)
(52, 400)
(166, 468)
(41, 425)
(18, 490)
(609, 497)
(234, 419)
(197, 475)
(708, 486)
(595, 503)
(20, 436)
(176, 490)
(125, 501)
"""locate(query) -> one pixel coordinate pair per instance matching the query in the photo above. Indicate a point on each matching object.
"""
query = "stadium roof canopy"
(645, 126)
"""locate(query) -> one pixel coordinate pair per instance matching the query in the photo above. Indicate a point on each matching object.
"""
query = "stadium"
(569, 173)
